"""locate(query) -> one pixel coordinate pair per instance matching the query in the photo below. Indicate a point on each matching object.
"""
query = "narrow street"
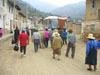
(41, 63)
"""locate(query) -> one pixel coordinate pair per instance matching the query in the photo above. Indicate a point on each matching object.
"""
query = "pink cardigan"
(1, 30)
(46, 34)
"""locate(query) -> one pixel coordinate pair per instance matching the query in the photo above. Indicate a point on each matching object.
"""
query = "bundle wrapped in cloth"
(61, 22)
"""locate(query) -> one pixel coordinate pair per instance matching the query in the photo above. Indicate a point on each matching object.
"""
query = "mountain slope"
(43, 6)
(75, 11)
(32, 11)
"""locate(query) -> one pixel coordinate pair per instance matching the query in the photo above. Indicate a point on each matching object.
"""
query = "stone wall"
(91, 22)
(85, 35)
(92, 26)
(92, 12)
(74, 26)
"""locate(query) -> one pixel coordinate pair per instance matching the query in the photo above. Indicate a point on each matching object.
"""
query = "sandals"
(95, 68)
(58, 59)
(53, 57)
(89, 69)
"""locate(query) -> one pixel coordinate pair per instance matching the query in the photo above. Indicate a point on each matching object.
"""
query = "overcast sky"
(56, 2)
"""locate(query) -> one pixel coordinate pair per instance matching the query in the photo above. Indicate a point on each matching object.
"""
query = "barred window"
(93, 3)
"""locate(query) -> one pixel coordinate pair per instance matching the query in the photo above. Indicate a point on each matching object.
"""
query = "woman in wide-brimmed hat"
(57, 45)
(55, 31)
(91, 52)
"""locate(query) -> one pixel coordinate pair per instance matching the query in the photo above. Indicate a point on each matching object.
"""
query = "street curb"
(5, 38)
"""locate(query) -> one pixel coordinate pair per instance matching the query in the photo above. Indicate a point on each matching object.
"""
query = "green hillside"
(31, 10)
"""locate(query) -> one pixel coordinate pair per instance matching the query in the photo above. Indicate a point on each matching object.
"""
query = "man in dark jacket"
(16, 34)
(27, 31)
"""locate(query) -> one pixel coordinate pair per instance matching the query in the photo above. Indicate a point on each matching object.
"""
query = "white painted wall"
(1, 18)
(4, 11)
(9, 17)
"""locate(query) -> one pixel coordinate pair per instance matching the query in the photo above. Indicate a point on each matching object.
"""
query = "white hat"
(55, 30)
(56, 34)
(90, 36)
(40, 29)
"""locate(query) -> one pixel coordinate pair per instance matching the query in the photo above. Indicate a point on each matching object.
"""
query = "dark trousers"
(1, 34)
(46, 42)
(23, 48)
(70, 46)
(36, 47)
(28, 33)
(16, 39)
(65, 40)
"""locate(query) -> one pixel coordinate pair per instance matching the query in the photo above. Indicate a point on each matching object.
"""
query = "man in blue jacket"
(64, 37)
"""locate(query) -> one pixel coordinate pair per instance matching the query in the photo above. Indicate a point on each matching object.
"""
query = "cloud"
(62, 2)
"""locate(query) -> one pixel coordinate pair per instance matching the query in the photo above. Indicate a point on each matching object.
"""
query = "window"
(9, 9)
(93, 3)
(87, 27)
(99, 14)
(16, 16)
(23, 21)
(0, 16)
(12, 10)
(93, 11)
(3, 2)
(92, 28)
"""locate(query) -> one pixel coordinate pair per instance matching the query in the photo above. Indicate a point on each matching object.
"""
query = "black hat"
(23, 31)
(70, 31)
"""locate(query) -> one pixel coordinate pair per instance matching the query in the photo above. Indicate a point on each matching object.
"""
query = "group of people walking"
(23, 37)
(58, 38)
